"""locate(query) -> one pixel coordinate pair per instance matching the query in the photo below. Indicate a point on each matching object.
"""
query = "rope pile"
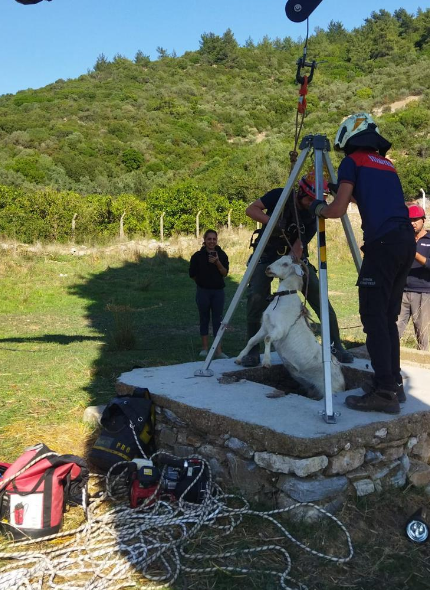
(155, 540)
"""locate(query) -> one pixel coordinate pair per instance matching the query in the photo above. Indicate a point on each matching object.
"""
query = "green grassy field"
(71, 323)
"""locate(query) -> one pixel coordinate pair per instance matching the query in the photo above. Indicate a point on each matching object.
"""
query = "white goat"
(286, 326)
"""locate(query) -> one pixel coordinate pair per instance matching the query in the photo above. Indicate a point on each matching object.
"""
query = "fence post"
(162, 226)
(423, 192)
(74, 226)
(229, 219)
(121, 226)
(198, 225)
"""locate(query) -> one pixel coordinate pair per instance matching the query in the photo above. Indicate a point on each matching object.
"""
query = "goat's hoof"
(267, 365)
(238, 361)
(314, 393)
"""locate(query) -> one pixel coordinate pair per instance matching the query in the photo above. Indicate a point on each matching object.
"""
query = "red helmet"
(307, 184)
(416, 212)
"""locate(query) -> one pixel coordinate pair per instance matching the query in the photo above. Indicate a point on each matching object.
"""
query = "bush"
(182, 202)
(132, 159)
(46, 215)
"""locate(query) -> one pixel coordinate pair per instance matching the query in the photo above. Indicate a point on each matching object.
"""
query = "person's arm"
(424, 260)
(221, 268)
(339, 205)
(214, 259)
(192, 271)
(256, 212)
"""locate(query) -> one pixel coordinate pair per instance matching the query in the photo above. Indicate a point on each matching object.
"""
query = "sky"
(62, 39)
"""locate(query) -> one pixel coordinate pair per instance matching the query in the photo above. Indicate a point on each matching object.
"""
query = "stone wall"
(358, 468)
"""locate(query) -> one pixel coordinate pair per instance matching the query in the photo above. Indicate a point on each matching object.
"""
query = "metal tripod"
(320, 146)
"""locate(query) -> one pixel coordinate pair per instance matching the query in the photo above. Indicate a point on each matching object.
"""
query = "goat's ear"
(298, 270)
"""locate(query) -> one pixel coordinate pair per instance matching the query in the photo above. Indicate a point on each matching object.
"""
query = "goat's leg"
(256, 339)
(266, 358)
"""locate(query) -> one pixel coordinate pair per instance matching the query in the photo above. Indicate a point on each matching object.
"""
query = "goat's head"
(285, 268)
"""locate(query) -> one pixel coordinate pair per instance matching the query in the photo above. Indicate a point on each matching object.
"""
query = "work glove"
(333, 187)
(317, 207)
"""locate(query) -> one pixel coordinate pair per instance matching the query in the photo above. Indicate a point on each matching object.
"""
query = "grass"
(71, 324)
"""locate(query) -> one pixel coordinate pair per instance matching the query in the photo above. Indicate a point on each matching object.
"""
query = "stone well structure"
(276, 447)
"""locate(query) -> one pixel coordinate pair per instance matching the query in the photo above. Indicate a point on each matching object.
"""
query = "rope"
(139, 446)
(290, 246)
(156, 541)
(301, 106)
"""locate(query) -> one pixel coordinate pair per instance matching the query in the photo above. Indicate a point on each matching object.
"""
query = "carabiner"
(302, 63)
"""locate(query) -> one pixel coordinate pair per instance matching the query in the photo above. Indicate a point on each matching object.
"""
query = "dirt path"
(395, 106)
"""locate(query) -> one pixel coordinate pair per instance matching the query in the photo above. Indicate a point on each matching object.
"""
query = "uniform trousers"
(382, 278)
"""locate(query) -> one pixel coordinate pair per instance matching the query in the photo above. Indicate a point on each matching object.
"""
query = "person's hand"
(213, 257)
(333, 188)
(317, 208)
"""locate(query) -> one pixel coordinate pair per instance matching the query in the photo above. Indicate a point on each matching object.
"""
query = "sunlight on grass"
(72, 323)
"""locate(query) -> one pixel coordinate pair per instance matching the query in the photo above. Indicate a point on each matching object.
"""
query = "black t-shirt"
(418, 279)
(206, 273)
(307, 224)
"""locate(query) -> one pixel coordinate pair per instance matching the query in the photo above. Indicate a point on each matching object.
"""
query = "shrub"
(132, 159)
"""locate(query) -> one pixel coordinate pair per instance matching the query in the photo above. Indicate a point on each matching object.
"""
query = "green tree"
(29, 167)
(406, 22)
(101, 63)
(336, 32)
(132, 159)
(216, 50)
(162, 53)
(141, 59)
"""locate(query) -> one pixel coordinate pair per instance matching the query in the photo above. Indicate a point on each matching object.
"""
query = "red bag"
(34, 491)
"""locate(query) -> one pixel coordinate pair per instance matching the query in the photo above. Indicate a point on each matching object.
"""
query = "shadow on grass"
(144, 313)
(49, 339)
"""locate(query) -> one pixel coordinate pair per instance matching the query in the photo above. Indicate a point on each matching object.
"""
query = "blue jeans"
(210, 301)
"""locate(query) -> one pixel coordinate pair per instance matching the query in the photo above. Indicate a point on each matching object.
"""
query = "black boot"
(377, 400)
(342, 355)
(252, 359)
(401, 396)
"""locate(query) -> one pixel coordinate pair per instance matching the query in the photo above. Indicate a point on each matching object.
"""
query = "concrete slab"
(295, 416)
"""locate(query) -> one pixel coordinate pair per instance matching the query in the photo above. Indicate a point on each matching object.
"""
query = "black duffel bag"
(124, 420)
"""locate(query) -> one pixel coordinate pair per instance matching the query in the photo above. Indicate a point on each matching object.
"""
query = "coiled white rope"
(155, 541)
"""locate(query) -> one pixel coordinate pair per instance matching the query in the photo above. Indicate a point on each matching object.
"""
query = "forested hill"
(222, 116)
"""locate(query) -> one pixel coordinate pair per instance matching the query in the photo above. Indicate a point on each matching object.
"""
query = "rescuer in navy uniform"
(368, 178)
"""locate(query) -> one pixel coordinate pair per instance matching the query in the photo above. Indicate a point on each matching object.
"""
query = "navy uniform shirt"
(377, 190)
(418, 279)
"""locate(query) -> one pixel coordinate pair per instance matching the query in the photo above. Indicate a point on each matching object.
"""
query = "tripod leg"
(205, 372)
(323, 286)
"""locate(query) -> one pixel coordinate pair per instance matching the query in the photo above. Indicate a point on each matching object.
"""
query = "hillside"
(222, 117)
